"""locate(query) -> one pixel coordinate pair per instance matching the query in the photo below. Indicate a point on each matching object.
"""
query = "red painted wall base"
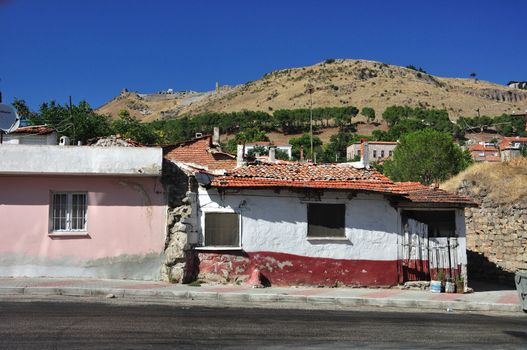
(282, 269)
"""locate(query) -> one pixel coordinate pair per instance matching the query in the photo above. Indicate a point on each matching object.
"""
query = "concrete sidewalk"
(497, 300)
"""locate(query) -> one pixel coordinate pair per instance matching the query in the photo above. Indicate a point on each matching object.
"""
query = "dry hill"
(359, 83)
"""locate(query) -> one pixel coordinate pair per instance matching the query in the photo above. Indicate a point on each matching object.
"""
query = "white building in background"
(378, 150)
(287, 148)
(32, 135)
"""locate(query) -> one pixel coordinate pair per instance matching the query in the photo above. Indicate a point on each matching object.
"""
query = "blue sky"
(92, 49)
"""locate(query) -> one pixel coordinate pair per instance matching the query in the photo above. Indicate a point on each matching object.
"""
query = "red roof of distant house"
(35, 130)
(331, 176)
(483, 148)
(265, 143)
(507, 141)
(201, 152)
(378, 143)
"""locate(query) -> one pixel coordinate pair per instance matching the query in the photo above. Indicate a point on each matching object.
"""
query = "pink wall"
(126, 216)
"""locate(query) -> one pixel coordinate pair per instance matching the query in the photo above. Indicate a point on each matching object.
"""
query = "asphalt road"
(113, 325)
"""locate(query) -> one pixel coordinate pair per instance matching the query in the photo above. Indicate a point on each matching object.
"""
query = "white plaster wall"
(30, 139)
(278, 223)
(462, 235)
(80, 160)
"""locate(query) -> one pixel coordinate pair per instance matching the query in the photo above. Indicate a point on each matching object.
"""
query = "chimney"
(272, 154)
(301, 153)
(364, 153)
(216, 136)
(239, 155)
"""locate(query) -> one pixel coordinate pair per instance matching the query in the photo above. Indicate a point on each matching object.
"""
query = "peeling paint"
(288, 269)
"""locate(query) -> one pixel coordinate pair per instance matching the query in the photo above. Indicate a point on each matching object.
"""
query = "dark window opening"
(325, 220)
(222, 229)
(441, 223)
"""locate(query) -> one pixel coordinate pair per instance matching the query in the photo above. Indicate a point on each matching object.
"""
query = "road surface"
(77, 324)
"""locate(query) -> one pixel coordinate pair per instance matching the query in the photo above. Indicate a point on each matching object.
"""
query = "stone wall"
(496, 236)
(179, 258)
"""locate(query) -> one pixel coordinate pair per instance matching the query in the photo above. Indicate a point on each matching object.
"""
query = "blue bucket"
(435, 286)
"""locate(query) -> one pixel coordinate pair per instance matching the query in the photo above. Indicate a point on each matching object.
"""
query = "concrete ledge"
(203, 295)
(262, 297)
(144, 293)
(42, 291)
(11, 290)
(76, 292)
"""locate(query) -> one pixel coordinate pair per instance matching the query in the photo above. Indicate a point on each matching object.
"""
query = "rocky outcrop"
(178, 266)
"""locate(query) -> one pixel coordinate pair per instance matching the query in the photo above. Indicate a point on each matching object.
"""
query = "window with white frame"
(68, 211)
(326, 220)
(222, 229)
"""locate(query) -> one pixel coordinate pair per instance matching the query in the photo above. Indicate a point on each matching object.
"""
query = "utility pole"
(71, 121)
(310, 90)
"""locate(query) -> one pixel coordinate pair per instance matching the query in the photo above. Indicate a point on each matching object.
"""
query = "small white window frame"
(203, 229)
(68, 231)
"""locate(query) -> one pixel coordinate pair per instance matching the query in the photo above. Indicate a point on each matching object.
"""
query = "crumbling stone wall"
(178, 266)
(496, 236)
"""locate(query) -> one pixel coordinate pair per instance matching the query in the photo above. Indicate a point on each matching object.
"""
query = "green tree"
(130, 127)
(305, 142)
(426, 156)
(246, 136)
(78, 122)
(369, 113)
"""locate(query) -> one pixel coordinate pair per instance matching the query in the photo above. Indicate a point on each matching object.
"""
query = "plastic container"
(435, 286)
(521, 287)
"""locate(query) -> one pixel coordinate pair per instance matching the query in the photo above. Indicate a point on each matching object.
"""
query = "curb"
(263, 298)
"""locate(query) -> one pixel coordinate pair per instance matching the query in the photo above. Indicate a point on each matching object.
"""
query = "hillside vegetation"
(358, 83)
(502, 183)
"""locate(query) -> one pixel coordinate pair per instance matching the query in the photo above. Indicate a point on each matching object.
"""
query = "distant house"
(511, 147)
(378, 150)
(31, 135)
(485, 153)
(79, 211)
(518, 85)
(287, 148)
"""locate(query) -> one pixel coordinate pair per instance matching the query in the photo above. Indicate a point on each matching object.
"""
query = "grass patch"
(504, 183)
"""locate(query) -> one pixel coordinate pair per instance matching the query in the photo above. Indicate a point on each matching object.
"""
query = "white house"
(377, 150)
(307, 224)
(287, 148)
(31, 135)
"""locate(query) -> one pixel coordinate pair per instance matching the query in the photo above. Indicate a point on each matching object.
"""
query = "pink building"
(81, 211)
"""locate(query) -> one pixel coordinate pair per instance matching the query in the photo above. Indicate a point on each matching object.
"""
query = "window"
(222, 229)
(382, 154)
(325, 220)
(374, 153)
(390, 153)
(68, 211)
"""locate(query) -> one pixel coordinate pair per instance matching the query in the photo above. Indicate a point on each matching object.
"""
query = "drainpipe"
(364, 153)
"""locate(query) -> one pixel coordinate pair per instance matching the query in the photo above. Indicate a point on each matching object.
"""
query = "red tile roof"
(507, 141)
(265, 143)
(394, 143)
(483, 148)
(201, 152)
(419, 193)
(34, 129)
(331, 176)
